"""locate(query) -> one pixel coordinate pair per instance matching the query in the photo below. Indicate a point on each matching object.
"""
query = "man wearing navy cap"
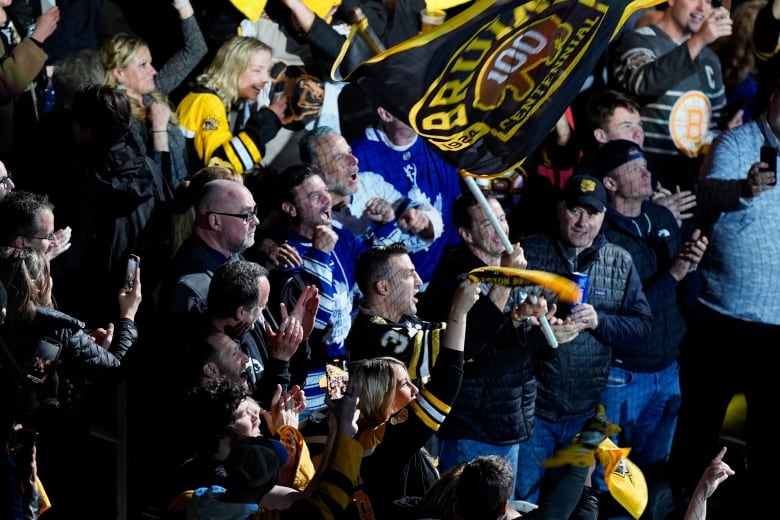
(643, 393)
(615, 314)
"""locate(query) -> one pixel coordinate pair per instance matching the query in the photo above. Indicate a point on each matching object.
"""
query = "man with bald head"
(224, 227)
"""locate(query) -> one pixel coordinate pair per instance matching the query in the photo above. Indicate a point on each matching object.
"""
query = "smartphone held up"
(42, 363)
(769, 156)
(336, 379)
(133, 261)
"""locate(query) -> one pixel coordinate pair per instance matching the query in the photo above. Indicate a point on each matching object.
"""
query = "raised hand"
(285, 341)
(324, 238)
(687, 259)
(46, 24)
(130, 299)
(379, 210)
(305, 310)
(516, 259)
(680, 203)
(60, 244)
(415, 221)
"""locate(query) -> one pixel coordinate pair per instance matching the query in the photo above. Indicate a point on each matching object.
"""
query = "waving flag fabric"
(486, 86)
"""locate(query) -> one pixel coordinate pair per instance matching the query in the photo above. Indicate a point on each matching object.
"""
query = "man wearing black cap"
(615, 314)
(614, 114)
(643, 394)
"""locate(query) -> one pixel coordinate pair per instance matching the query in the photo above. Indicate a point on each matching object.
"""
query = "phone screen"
(42, 362)
(132, 265)
(337, 379)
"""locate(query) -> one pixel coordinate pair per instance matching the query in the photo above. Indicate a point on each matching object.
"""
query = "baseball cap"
(252, 468)
(584, 190)
(614, 154)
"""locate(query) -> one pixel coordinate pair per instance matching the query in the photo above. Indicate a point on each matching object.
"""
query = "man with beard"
(329, 255)
(678, 81)
(362, 203)
(224, 227)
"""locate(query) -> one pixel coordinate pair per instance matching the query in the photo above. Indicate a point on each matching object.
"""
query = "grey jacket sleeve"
(183, 62)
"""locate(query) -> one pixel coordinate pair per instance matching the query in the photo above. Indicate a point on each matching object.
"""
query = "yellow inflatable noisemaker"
(566, 290)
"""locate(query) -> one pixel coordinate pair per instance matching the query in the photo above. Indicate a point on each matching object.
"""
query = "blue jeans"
(645, 405)
(454, 451)
(546, 439)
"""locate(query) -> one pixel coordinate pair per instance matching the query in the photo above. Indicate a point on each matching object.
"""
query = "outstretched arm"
(716, 472)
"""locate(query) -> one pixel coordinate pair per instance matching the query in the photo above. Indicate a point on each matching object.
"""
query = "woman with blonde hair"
(397, 419)
(223, 99)
(127, 61)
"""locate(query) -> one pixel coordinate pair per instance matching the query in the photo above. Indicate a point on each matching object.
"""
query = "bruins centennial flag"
(486, 86)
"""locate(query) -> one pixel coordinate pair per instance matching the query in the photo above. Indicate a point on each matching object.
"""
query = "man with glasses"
(28, 220)
(224, 227)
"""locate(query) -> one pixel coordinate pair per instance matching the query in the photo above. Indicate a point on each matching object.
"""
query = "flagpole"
(482, 201)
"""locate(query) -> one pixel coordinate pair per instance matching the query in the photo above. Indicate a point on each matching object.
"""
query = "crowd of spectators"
(294, 234)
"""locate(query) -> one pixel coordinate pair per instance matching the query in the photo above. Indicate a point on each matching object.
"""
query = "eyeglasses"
(247, 217)
(5, 180)
(50, 237)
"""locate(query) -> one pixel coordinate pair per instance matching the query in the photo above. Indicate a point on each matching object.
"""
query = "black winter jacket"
(82, 362)
(572, 378)
(496, 400)
(652, 239)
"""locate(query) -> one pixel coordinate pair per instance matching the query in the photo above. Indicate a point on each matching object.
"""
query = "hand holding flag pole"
(480, 197)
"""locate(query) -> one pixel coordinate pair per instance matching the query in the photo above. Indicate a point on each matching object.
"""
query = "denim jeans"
(645, 405)
(546, 439)
(454, 451)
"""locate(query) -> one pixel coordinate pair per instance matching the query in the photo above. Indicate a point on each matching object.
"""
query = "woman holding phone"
(58, 407)
(85, 355)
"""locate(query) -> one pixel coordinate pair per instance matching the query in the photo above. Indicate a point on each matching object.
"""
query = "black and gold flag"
(486, 87)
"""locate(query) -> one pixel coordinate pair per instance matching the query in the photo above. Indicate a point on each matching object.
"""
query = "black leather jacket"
(81, 359)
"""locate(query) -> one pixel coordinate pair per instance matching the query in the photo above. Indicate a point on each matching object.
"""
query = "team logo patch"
(689, 122)
(400, 417)
(210, 123)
